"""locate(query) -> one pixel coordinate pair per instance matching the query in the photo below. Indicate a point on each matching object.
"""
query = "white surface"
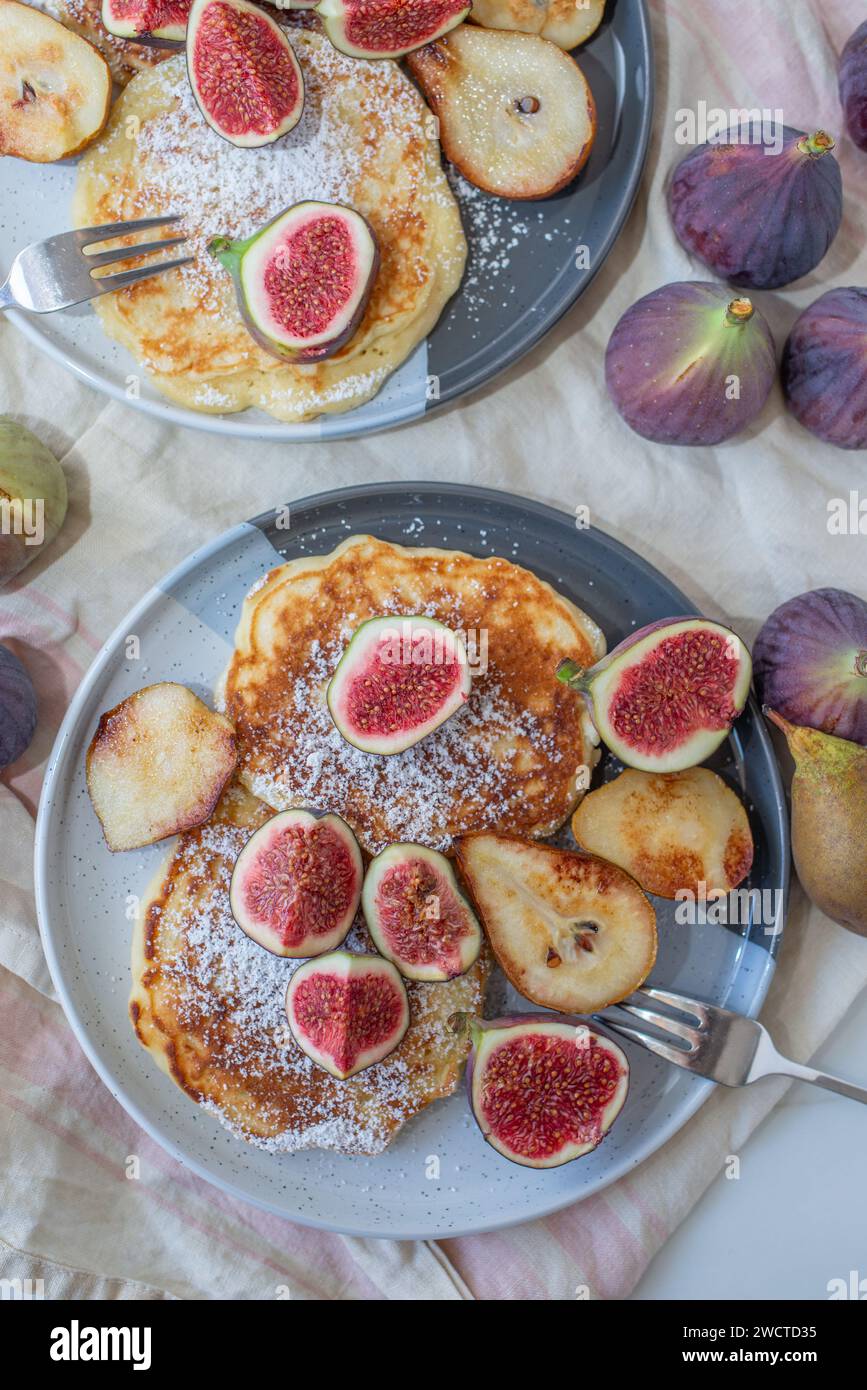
(801, 1184)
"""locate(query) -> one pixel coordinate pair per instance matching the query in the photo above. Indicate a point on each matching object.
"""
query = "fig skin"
(829, 813)
(759, 220)
(671, 358)
(825, 369)
(231, 254)
(853, 86)
(810, 663)
(18, 708)
(485, 1031)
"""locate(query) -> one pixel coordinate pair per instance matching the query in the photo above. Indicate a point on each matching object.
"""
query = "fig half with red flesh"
(243, 72)
(296, 884)
(417, 916)
(147, 19)
(347, 1011)
(388, 28)
(304, 281)
(544, 1090)
(666, 698)
(397, 681)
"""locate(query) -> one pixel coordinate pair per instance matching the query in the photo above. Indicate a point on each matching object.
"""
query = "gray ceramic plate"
(523, 274)
(186, 627)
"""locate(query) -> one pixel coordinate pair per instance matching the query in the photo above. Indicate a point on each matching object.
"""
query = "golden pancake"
(208, 1004)
(515, 758)
(366, 139)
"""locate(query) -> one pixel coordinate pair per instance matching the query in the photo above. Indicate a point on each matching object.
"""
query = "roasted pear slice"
(672, 831)
(516, 114)
(571, 931)
(55, 89)
(157, 765)
(565, 22)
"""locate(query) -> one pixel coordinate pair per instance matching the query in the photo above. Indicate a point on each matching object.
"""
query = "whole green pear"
(33, 497)
(829, 821)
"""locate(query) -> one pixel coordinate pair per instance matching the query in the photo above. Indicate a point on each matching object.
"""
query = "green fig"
(32, 497)
(829, 821)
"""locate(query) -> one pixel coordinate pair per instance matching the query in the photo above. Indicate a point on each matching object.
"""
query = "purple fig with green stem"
(691, 365)
(758, 215)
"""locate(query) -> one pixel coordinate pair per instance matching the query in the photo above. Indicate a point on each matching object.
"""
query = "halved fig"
(296, 884)
(667, 697)
(157, 765)
(303, 282)
(149, 19)
(516, 115)
(55, 88)
(543, 1090)
(388, 28)
(243, 72)
(570, 931)
(672, 831)
(347, 1011)
(397, 681)
(417, 916)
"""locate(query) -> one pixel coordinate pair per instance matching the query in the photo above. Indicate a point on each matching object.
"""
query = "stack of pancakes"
(207, 1001)
(366, 139)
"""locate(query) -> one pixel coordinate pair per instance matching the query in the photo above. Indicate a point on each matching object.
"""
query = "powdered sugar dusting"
(218, 188)
(227, 993)
(467, 771)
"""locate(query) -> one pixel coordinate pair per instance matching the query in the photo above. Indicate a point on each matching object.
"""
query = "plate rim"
(55, 766)
(331, 428)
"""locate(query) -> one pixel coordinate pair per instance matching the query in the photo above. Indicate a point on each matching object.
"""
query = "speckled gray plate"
(186, 627)
(524, 270)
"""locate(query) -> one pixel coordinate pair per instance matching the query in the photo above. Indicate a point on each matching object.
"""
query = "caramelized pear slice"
(672, 831)
(157, 765)
(516, 115)
(55, 89)
(570, 931)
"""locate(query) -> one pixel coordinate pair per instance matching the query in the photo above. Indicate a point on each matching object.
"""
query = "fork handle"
(783, 1067)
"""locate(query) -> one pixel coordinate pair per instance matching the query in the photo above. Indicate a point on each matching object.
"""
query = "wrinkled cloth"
(739, 529)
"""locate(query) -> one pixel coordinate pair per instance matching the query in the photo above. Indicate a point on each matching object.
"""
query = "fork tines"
(92, 236)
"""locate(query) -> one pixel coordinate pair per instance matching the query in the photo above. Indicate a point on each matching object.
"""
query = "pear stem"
(777, 719)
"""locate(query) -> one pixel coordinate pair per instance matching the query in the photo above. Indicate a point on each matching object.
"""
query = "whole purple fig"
(690, 365)
(758, 218)
(17, 708)
(810, 663)
(825, 368)
(853, 85)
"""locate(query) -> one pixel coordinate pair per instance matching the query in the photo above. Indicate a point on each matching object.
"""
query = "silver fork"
(58, 272)
(716, 1043)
